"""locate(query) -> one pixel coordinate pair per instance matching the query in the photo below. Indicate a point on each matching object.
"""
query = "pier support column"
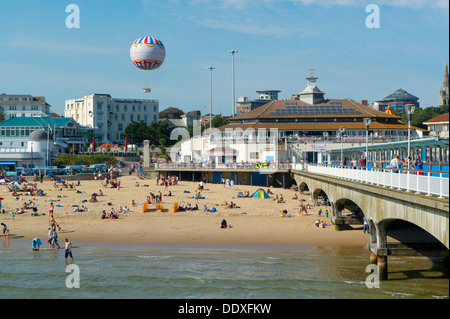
(382, 267)
(382, 251)
(373, 258)
(337, 214)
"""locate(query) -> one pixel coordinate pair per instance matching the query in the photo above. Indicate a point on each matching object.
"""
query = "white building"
(110, 116)
(13, 105)
(37, 151)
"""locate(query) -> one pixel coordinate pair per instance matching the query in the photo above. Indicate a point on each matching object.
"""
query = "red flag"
(93, 145)
(126, 144)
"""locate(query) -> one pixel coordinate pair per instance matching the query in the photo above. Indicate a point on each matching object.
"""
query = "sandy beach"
(254, 221)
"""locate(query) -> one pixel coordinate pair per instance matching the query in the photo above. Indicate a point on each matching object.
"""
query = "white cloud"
(39, 44)
(248, 27)
(416, 4)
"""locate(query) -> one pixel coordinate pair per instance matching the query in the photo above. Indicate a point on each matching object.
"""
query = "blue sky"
(278, 42)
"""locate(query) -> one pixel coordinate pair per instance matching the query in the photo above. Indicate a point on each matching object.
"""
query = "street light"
(232, 79)
(367, 122)
(211, 68)
(341, 132)
(409, 108)
(325, 137)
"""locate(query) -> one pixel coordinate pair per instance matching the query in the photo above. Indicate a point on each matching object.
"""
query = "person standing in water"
(68, 250)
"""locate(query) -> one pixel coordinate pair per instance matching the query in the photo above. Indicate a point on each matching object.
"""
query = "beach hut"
(260, 193)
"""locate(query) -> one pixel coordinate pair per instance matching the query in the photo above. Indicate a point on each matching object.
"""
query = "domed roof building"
(39, 135)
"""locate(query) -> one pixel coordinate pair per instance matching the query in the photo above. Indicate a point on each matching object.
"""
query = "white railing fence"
(401, 179)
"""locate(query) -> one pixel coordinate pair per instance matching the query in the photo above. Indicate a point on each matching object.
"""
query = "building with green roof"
(65, 131)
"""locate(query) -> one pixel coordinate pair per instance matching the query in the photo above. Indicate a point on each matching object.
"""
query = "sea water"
(212, 271)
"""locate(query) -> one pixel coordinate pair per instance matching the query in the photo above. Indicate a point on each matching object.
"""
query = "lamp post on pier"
(341, 132)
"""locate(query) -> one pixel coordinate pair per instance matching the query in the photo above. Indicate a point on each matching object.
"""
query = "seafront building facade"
(65, 131)
(399, 99)
(245, 105)
(20, 105)
(110, 116)
(295, 130)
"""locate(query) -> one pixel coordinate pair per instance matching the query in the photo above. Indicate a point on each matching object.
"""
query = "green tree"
(421, 115)
(171, 113)
(136, 132)
(218, 121)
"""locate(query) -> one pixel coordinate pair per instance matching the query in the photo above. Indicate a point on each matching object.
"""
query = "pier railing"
(430, 183)
(231, 166)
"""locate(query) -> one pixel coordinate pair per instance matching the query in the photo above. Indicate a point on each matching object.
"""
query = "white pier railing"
(419, 182)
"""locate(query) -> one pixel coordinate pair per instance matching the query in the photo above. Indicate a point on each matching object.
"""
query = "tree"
(421, 115)
(171, 113)
(136, 132)
(218, 121)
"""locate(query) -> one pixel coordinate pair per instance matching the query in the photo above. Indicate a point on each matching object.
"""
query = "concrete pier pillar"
(382, 252)
(382, 267)
(373, 258)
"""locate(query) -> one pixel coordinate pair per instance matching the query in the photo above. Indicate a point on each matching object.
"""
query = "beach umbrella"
(15, 183)
(2, 180)
(63, 182)
(109, 144)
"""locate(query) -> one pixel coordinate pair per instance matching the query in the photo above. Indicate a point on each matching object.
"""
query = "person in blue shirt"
(36, 244)
(418, 165)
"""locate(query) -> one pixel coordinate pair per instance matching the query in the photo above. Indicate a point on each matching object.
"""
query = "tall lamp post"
(233, 52)
(341, 132)
(367, 121)
(325, 137)
(409, 108)
(211, 68)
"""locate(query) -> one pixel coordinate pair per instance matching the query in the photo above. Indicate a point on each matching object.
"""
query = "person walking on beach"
(50, 210)
(366, 226)
(51, 238)
(4, 229)
(68, 250)
(55, 239)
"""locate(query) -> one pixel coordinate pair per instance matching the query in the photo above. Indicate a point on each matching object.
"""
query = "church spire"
(446, 74)
(444, 95)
